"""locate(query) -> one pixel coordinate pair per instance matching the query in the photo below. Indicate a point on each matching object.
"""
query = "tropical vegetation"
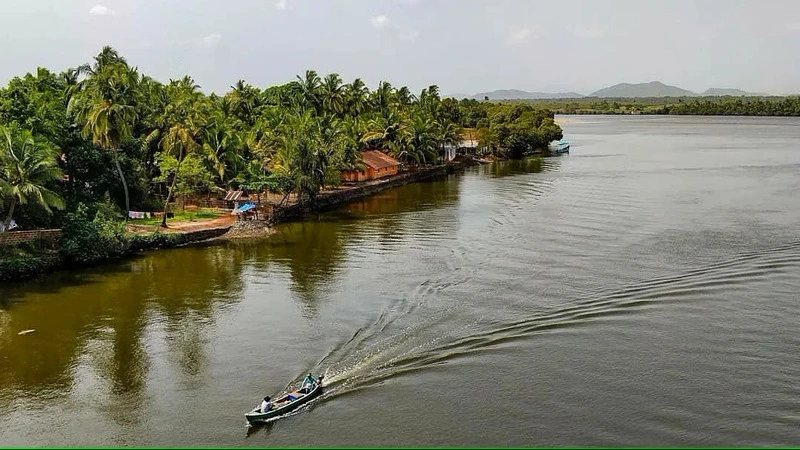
(706, 106)
(89, 144)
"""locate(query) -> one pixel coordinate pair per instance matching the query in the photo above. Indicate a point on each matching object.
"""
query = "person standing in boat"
(266, 405)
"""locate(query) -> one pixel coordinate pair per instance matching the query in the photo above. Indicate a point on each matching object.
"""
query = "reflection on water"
(103, 312)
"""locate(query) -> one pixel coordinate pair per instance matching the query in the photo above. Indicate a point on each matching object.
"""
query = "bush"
(89, 238)
(18, 263)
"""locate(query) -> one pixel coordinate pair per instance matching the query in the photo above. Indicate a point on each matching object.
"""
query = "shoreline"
(51, 261)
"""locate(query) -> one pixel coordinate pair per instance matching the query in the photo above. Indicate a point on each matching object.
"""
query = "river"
(642, 290)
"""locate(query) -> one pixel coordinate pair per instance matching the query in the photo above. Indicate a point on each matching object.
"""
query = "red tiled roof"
(378, 160)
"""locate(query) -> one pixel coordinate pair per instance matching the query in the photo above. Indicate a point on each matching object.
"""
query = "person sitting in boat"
(266, 405)
(308, 383)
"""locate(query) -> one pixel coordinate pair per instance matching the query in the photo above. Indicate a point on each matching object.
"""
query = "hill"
(729, 91)
(651, 89)
(516, 94)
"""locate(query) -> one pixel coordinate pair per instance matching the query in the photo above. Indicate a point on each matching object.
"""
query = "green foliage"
(715, 105)
(133, 139)
(519, 129)
(26, 169)
(24, 261)
(190, 175)
(93, 236)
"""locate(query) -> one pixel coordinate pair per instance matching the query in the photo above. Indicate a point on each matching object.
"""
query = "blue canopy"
(244, 208)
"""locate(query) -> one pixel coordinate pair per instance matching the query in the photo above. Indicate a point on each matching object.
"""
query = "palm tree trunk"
(124, 184)
(7, 222)
(171, 188)
(169, 194)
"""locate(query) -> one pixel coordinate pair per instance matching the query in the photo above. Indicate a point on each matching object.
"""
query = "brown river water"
(642, 290)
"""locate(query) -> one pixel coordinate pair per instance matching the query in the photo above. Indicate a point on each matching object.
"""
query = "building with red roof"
(376, 165)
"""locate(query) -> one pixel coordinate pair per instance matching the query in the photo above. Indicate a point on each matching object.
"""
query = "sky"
(463, 46)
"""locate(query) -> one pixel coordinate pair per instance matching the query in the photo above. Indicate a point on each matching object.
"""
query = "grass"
(180, 216)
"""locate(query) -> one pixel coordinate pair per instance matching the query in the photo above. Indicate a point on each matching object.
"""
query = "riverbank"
(27, 261)
(346, 193)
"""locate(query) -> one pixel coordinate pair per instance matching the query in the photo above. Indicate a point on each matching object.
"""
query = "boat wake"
(387, 348)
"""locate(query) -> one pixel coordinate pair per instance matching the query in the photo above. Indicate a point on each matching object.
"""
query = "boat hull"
(560, 147)
(254, 416)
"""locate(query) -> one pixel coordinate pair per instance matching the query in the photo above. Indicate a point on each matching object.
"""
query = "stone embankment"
(330, 199)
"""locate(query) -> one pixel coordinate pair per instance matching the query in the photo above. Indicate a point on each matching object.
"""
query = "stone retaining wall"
(330, 199)
(172, 240)
(202, 235)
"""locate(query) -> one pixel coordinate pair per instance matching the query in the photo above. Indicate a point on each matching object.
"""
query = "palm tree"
(309, 88)
(422, 144)
(70, 79)
(353, 144)
(404, 96)
(303, 156)
(387, 131)
(180, 141)
(447, 133)
(222, 146)
(106, 107)
(429, 99)
(183, 118)
(357, 95)
(383, 97)
(332, 94)
(243, 101)
(25, 167)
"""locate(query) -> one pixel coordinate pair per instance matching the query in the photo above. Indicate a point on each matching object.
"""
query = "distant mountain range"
(622, 90)
(659, 89)
(516, 94)
(730, 91)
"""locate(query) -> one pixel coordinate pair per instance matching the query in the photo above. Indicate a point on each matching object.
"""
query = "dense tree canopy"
(716, 106)
(123, 136)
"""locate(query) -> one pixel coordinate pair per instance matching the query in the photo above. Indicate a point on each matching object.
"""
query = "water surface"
(642, 290)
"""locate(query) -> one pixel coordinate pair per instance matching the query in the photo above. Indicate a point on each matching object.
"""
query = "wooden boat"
(285, 403)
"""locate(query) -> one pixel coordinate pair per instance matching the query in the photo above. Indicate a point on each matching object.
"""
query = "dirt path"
(223, 220)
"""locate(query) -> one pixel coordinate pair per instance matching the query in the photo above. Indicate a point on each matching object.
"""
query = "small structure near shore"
(377, 165)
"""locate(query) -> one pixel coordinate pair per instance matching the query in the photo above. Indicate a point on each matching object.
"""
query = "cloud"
(281, 4)
(380, 22)
(588, 32)
(212, 40)
(101, 10)
(397, 31)
(524, 35)
(409, 35)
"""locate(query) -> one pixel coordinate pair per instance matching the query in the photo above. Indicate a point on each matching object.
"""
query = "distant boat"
(561, 146)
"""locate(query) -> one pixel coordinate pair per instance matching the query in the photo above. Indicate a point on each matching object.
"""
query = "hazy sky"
(464, 46)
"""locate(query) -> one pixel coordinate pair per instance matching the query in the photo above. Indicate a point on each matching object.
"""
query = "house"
(470, 141)
(376, 165)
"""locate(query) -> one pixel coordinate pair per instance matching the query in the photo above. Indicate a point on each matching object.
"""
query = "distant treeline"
(710, 106)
